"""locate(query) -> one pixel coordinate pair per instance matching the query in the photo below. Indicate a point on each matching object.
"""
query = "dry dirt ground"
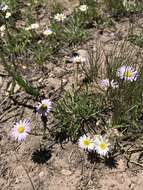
(38, 164)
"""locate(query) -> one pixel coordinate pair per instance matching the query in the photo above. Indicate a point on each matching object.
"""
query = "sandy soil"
(38, 164)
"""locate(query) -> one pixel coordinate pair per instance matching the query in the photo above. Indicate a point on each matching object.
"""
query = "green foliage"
(93, 10)
(133, 6)
(137, 40)
(11, 3)
(126, 100)
(122, 7)
(91, 3)
(74, 31)
(116, 7)
(74, 110)
(122, 106)
(56, 8)
(18, 78)
(41, 52)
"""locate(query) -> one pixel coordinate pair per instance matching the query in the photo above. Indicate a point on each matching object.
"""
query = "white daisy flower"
(21, 130)
(83, 8)
(127, 73)
(8, 14)
(105, 84)
(86, 143)
(33, 26)
(4, 7)
(47, 32)
(78, 59)
(2, 30)
(101, 145)
(44, 107)
(60, 17)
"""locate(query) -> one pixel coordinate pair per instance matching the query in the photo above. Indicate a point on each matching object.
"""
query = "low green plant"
(74, 31)
(127, 99)
(56, 8)
(77, 113)
(113, 93)
(93, 11)
(13, 44)
(133, 6)
(123, 7)
(135, 35)
(18, 78)
(137, 40)
(116, 7)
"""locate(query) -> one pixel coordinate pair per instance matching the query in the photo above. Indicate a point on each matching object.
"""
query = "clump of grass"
(123, 7)
(74, 31)
(135, 35)
(92, 13)
(56, 8)
(132, 6)
(126, 100)
(116, 7)
(77, 113)
(137, 40)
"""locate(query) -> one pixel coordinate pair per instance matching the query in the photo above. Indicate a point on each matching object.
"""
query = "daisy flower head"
(44, 107)
(105, 84)
(4, 7)
(86, 143)
(127, 73)
(21, 130)
(8, 14)
(47, 32)
(78, 59)
(33, 26)
(83, 8)
(2, 30)
(101, 145)
(60, 17)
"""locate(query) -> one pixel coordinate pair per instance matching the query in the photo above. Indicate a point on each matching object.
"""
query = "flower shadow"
(92, 157)
(110, 162)
(41, 156)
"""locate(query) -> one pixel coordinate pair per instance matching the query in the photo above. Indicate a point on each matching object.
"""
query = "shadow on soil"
(41, 156)
(110, 162)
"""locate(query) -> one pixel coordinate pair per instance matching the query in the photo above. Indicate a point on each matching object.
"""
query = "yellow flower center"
(21, 129)
(43, 107)
(86, 142)
(128, 74)
(103, 146)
